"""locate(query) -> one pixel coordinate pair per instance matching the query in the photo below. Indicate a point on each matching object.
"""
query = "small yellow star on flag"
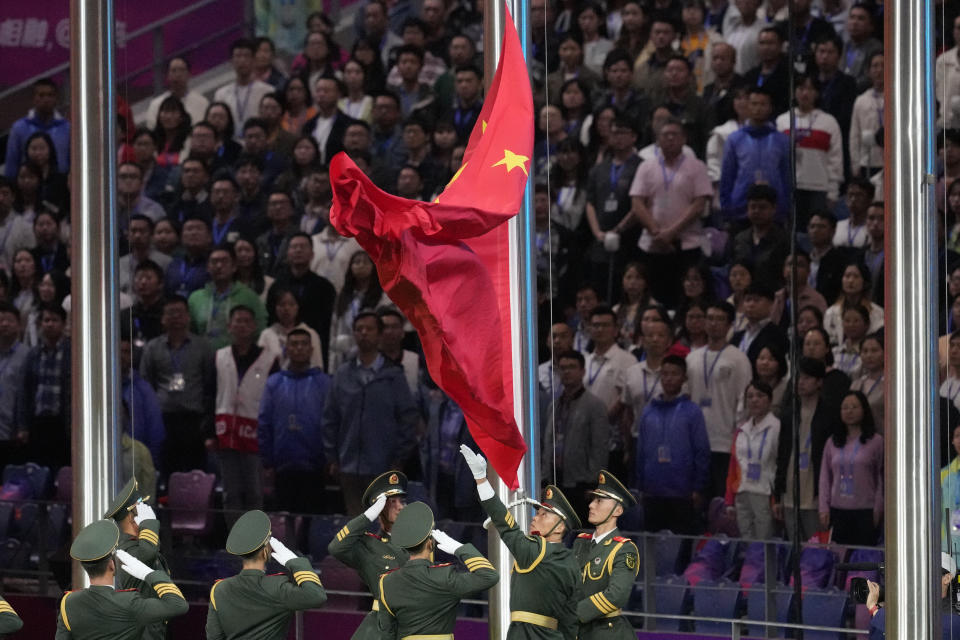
(511, 161)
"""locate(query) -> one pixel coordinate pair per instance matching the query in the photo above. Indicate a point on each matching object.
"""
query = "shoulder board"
(442, 564)
(391, 571)
(218, 580)
(585, 535)
(123, 590)
(622, 539)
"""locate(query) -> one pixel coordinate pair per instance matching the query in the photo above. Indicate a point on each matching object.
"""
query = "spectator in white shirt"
(243, 95)
(866, 156)
(852, 232)
(741, 29)
(178, 78)
(641, 382)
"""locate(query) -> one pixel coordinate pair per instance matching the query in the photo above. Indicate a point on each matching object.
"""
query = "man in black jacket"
(329, 125)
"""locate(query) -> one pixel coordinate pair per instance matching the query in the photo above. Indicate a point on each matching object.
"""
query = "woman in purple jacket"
(851, 475)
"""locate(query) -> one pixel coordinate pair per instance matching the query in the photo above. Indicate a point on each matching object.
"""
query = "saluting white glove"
(444, 542)
(144, 512)
(373, 512)
(280, 552)
(131, 565)
(476, 462)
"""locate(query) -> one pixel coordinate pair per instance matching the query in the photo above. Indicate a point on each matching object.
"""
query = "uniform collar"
(599, 539)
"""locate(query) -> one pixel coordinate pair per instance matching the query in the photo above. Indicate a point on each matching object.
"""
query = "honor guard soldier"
(372, 555)
(253, 605)
(100, 611)
(609, 564)
(545, 582)
(9, 620)
(419, 600)
(139, 536)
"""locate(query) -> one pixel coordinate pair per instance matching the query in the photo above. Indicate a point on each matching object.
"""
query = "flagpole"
(523, 325)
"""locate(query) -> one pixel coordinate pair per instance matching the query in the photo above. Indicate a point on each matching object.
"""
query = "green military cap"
(555, 502)
(125, 501)
(609, 487)
(413, 525)
(391, 483)
(95, 541)
(249, 533)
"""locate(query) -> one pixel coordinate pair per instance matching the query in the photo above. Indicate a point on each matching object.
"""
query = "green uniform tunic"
(544, 583)
(371, 556)
(254, 606)
(146, 549)
(9, 620)
(609, 570)
(421, 598)
(101, 613)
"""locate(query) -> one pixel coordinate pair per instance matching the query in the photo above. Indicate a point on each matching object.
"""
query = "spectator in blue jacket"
(290, 430)
(44, 118)
(370, 419)
(755, 154)
(673, 455)
(146, 419)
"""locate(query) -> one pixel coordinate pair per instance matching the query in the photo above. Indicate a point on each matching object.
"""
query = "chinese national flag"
(453, 292)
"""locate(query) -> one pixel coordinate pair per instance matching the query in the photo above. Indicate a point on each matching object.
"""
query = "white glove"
(476, 462)
(280, 552)
(373, 512)
(446, 543)
(611, 241)
(144, 512)
(131, 565)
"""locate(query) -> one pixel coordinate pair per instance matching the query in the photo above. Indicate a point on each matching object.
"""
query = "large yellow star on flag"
(511, 161)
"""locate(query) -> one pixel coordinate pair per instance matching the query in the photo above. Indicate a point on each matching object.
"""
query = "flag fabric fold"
(429, 270)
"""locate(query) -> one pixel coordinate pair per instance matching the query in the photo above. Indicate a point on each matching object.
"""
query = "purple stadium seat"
(824, 609)
(755, 608)
(189, 499)
(715, 599)
(669, 595)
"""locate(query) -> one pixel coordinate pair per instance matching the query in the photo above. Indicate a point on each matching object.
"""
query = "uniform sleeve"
(214, 630)
(480, 577)
(623, 569)
(528, 551)
(386, 621)
(63, 633)
(305, 592)
(169, 603)
(9, 620)
(148, 542)
(345, 545)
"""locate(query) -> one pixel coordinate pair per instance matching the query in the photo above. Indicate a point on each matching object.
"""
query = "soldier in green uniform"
(419, 600)
(609, 564)
(545, 582)
(371, 554)
(9, 620)
(140, 537)
(99, 611)
(252, 605)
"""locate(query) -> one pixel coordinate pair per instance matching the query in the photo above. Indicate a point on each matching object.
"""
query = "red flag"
(443, 286)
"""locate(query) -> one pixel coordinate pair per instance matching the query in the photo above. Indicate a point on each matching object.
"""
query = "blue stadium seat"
(666, 553)
(669, 596)
(322, 530)
(824, 609)
(756, 608)
(715, 599)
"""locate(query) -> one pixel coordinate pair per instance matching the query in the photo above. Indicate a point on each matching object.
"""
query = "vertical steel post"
(912, 490)
(95, 379)
(523, 322)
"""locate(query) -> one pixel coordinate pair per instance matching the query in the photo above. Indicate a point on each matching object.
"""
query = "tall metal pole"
(94, 297)
(523, 323)
(912, 490)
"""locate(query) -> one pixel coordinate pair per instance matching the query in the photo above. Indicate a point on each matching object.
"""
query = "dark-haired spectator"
(297, 100)
(317, 59)
(331, 255)
(369, 418)
(15, 231)
(741, 30)
(43, 118)
(873, 251)
(548, 372)
(155, 177)
(870, 382)
(248, 268)
(433, 14)
(797, 268)
(211, 306)
(356, 102)
(659, 117)
(391, 346)
(846, 355)
(166, 239)
(467, 101)
(634, 27)
(188, 272)
(860, 45)
(178, 84)
(44, 407)
(692, 319)
(263, 63)
(50, 252)
(414, 94)
(272, 245)
(387, 132)
(677, 93)
(543, 57)
(621, 92)
(416, 141)
(697, 43)
(461, 52)
(642, 379)
(54, 192)
(273, 163)
(290, 429)
(760, 331)
(27, 199)
(140, 401)
(586, 300)
(379, 25)
(550, 132)
(763, 244)
(142, 320)
(574, 101)
(286, 313)
(771, 368)
(414, 33)
(53, 288)
(756, 153)
(329, 125)
(670, 209)
(838, 90)
(572, 67)
(866, 120)
(809, 29)
(851, 475)
(279, 140)
(131, 201)
(172, 132)
(226, 149)
(635, 288)
(576, 432)
(719, 93)
(753, 464)
(826, 261)
(771, 72)
(25, 275)
(191, 198)
(813, 423)
(717, 375)
(591, 25)
(552, 242)
(242, 96)
(205, 146)
(852, 232)
(854, 290)
(739, 277)
(409, 183)
(13, 361)
(139, 240)
(648, 72)
(314, 293)
(672, 469)
(227, 224)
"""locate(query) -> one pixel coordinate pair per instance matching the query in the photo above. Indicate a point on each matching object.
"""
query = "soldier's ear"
(618, 511)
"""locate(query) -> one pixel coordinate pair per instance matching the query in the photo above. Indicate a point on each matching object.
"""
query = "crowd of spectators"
(259, 342)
